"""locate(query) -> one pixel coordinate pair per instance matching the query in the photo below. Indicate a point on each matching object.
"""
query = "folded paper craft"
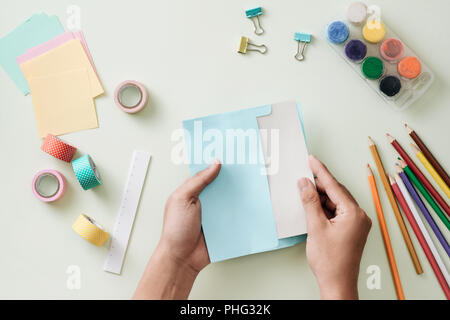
(253, 205)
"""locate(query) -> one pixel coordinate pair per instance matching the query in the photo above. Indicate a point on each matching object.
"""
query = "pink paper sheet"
(53, 43)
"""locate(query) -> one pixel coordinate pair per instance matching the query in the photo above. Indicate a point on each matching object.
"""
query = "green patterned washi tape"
(86, 172)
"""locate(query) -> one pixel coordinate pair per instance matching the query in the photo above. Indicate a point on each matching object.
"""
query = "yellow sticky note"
(63, 102)
(66, 57)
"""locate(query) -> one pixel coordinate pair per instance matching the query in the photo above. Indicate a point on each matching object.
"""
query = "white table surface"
(185, 54)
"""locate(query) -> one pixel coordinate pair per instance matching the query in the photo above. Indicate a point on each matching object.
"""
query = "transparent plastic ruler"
(127, 211)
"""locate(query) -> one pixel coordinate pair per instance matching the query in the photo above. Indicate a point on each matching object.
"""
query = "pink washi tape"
(48, 185)
(143, 99)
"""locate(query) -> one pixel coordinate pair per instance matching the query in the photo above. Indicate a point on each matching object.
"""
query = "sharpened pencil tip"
(390, 138)
(371, 143)
(416, 150)
(402, 163)
(398, 168)
(408, 128)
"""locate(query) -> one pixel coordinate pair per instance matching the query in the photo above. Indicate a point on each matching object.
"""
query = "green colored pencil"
(425, 193)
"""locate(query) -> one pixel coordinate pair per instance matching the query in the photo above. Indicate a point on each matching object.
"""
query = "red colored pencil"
(419, 174)
(426, 249)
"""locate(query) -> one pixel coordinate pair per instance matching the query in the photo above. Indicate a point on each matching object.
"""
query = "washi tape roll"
(58, 148)
(86, 172)
(48, 185)
(134, 106)
(90, 230)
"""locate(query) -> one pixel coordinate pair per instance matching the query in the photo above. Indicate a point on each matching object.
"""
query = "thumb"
(315, 216)
(195, 185)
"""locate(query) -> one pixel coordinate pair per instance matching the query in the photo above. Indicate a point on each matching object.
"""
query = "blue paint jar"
(337, 32)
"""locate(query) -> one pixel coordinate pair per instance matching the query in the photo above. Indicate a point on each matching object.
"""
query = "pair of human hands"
(337, 229)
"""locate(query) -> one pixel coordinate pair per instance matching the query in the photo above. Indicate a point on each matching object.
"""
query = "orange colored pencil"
(385, 234)
(395, 208)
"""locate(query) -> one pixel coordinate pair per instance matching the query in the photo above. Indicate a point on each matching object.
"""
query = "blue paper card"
(237, 214)
(34, 31)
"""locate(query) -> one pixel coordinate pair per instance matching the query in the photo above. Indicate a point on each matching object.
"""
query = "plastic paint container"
(372, 68)
(390, 86)
(355, 50)
(409, 67)
(357, 13)
(391, 50)
(379, 57)
(337, 32)
(374, 31)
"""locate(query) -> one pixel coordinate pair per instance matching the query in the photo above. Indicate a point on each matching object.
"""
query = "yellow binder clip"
(245, 45)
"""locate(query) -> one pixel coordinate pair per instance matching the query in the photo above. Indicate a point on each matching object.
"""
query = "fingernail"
(216, 161)
(303, 183)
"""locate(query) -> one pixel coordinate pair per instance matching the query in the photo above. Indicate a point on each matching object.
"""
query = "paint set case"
(396, 73)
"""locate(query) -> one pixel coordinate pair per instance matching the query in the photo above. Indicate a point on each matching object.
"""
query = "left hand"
(182, 236)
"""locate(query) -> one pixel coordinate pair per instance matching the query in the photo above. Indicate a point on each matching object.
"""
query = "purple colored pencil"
(425, 212)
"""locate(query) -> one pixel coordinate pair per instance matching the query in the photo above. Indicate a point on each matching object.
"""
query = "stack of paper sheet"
(57, 69)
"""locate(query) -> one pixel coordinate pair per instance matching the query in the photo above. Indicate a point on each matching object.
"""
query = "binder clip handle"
(299, 55)
(258, 29)
(261, 48)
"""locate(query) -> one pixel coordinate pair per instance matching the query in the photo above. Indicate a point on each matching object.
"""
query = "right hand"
(337, 233)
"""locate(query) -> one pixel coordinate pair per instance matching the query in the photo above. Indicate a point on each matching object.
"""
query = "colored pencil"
(395, 208)
(431, 170)
(410, 202)
(385, 234)
(424, 193)
(427, 153)
(423, 243)
(419, 174)
(423, 209)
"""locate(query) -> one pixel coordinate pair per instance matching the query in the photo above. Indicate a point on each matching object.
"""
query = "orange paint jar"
(409, 67)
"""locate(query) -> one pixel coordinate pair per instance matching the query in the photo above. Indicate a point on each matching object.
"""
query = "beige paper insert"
(292, 165)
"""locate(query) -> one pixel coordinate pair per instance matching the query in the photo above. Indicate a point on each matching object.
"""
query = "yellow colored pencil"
(431, 170)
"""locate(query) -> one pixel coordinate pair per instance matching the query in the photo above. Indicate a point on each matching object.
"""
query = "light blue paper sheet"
(237, 215)
(34, 31)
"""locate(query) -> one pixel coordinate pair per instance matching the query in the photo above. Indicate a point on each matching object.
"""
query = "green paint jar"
(372, 68)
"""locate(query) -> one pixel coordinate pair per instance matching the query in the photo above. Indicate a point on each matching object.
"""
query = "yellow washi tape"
(90, 230)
